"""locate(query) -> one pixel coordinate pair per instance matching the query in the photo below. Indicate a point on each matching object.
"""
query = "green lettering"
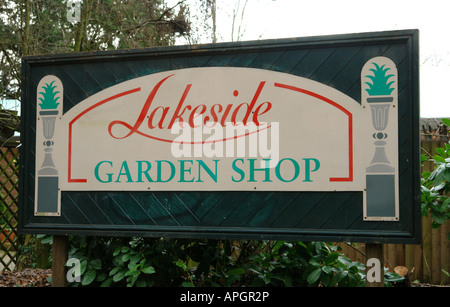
(109, 175)
(238, 170)
(202, 164)
(308, 170)
(266, 169)
(141, 171)
(159, 173)
(124, 171)
(183, 170)
(296, 170)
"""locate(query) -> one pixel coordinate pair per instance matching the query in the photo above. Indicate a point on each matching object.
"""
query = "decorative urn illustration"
(49, 103)
(379, 82)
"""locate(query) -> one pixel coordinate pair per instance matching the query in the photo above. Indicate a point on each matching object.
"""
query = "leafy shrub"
(133, 262)
(436, 186)
(127, 262)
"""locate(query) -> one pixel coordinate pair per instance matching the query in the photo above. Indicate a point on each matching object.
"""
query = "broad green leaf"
(318, 247)
(114, 271)
(83, 266)
(132, 280)
(148, 270)
(106, 283)
(439, 217)
(88, 277)
(314, 276)
(441, 152)
(423, 158)
(101, 277)
(47, 240)
(132, 267)
(438, 158)
(96, 264)
(126, 257)
(439, 176)
(327, 269)
(331, 257)
(445, 204)
(119, 276)
(135, 258)
(447, 173)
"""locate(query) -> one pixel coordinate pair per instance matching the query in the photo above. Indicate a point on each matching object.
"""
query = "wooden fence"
(427, 262)
(9, 193)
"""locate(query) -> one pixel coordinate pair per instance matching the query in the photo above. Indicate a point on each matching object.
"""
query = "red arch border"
(350, 126)
(69, 173)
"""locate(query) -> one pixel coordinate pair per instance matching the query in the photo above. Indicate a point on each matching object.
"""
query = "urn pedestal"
(380, 175)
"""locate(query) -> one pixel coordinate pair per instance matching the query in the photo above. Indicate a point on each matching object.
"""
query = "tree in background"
(42, 27)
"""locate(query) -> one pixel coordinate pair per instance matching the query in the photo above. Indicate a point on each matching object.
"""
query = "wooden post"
(374, 265)
(60, 249)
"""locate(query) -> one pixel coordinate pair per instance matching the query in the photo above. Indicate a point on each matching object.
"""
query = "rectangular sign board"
(298, 139)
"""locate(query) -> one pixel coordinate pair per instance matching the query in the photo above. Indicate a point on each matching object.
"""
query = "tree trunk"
(26, 28)
(81, 31)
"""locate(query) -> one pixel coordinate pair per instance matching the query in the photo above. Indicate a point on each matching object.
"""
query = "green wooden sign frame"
(336, 61)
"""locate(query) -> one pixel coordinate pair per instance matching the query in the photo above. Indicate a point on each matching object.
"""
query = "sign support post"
(60, 248)
(374, 265)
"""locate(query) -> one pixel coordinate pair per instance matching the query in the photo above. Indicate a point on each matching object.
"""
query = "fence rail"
(427, 262)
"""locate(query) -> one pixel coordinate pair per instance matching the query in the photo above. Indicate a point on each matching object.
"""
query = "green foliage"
(436, 186)
(380, 84)
(120, 262)
(6, 217)
(305, 264)
(34, 251)
(134, 262)
(49, 98)
(41, 27)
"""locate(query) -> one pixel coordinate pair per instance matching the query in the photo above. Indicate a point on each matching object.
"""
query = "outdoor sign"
(303, 138)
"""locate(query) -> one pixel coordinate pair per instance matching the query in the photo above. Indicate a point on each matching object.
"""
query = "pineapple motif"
(379, 85)
(49, 100)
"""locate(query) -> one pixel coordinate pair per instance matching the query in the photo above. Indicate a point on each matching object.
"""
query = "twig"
(349, 244)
